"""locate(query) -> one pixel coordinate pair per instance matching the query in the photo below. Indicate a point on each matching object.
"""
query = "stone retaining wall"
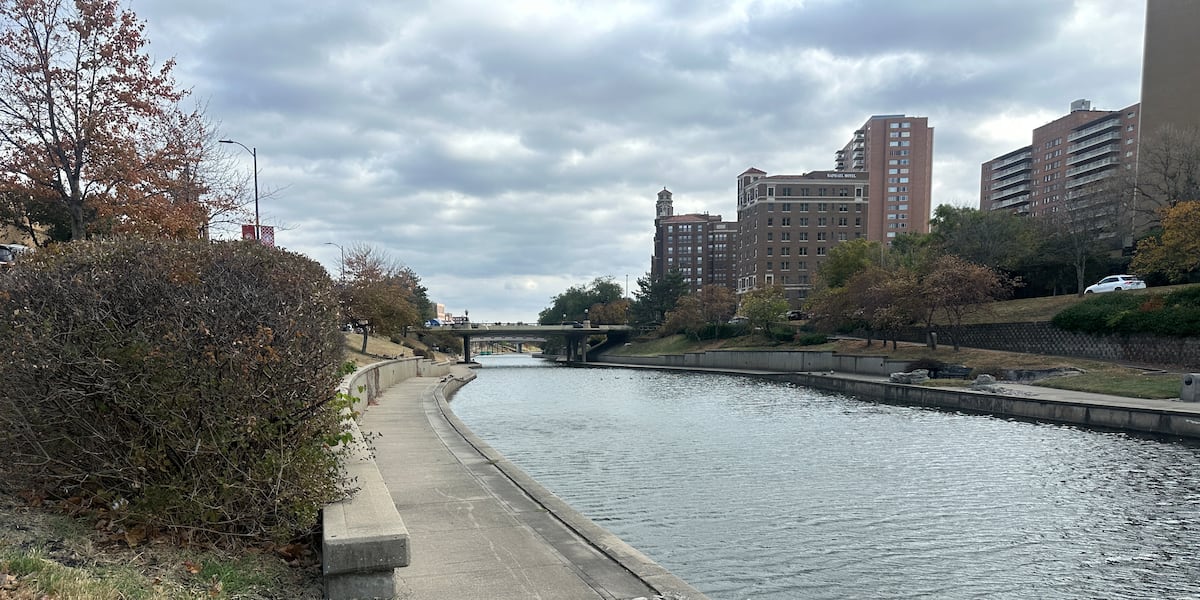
(1044, 338)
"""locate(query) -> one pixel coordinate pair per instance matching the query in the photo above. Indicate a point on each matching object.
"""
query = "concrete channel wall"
(821, 370)
(364, 539)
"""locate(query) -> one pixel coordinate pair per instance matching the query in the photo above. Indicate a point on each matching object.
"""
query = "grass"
(1099, 376)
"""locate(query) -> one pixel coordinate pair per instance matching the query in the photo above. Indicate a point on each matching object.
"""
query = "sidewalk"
(481, 529)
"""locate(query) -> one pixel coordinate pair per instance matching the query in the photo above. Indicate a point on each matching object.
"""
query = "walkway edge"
(666, 584)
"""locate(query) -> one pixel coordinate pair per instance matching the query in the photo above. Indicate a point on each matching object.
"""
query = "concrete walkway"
(481, 528)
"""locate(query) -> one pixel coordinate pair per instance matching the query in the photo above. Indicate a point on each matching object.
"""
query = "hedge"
(181, 385)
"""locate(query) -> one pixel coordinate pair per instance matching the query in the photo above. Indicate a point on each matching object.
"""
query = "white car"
(1116, 283)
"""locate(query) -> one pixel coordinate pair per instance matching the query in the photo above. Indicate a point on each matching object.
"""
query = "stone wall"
(1044, 338)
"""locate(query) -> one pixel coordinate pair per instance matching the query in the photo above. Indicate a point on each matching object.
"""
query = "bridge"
(576, 334)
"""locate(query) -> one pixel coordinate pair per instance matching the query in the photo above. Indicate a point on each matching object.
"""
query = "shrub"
(186, 385)
(1173, 314)
(810, 339)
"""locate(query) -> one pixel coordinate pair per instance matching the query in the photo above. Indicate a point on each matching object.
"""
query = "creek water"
(747, 488)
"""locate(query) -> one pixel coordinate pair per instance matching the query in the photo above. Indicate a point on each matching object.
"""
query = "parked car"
(10, 252)
(1116, 283)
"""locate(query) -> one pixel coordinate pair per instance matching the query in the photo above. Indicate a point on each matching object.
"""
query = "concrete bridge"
(576, 335)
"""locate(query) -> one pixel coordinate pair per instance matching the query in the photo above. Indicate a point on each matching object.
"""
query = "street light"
(254, 154)
(341, 260)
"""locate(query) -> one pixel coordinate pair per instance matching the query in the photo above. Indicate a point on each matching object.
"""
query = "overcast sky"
(506, 150)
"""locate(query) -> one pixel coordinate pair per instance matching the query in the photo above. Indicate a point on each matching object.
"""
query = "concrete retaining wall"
(1145, 420)
(770, 360)
(817, 370)
(364, 539)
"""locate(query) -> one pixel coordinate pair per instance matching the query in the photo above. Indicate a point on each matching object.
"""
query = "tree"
(763, 307)
(575, 304)
(89, 125)
(1175, 253)
(959, 287)
(996, 239)
(1168, 169)
(655, 298)
(888, 301)
(382, 291)
(848, 258)
(695, 313)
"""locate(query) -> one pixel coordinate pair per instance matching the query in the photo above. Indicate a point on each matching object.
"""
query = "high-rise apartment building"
(787, 224)
(1067, 167)
(1170, 66)
(698, 246)
(896, 151)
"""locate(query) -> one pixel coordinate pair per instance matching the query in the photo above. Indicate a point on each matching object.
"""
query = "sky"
(508, 150)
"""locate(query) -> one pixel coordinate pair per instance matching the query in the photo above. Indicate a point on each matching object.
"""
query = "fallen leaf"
(135, 536)
(192, 567)
(214, 590)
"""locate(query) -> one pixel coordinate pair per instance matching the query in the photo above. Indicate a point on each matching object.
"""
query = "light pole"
(341, 261)
(253, 154)
(627, 285)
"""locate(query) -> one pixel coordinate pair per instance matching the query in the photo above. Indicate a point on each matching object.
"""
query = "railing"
(1106, 124)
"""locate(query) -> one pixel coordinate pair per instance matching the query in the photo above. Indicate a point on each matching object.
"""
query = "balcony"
(1025, 166)
(1000, 185)
(1109, 123)
(1026, 155)
(1092, 166)
(1078, 158)
(1009, 193)
(1022, 200)
(1082, 181)
(1084, 145)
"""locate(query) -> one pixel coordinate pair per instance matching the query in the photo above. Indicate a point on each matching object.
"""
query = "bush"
(1173, 314)
(810, 339)
(183, 385)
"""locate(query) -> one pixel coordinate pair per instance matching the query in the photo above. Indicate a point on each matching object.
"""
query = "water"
(754, 489)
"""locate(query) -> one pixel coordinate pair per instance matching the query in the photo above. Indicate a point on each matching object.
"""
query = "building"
(1068, 167)
(1170, 66)
(699, 246)
(787, 224)
(896, 151)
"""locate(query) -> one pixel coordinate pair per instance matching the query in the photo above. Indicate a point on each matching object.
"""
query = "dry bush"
(182, 385)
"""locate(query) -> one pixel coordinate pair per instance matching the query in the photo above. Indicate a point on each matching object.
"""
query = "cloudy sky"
(506, 150)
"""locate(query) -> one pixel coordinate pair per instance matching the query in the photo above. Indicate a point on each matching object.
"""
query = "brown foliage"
(90, 124)
(185, 385)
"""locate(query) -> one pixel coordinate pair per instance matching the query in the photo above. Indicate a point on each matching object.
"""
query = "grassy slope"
(1101, 377)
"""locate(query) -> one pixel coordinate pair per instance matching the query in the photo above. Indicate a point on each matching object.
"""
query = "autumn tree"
(90, 128)
(959, 288)
(696, 313)
(1175, 253)
(764, 307)
(382, 291)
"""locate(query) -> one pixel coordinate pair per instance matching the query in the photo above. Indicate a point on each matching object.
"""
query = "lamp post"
(254, 155)
(341, 261)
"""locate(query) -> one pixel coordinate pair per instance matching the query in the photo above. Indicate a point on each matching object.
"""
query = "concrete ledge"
(364, 539)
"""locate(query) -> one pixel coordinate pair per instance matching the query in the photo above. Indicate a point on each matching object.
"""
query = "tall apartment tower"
(1070, 159)
(897, 153)
(1170, 66)
(699, 246)
(787, 224)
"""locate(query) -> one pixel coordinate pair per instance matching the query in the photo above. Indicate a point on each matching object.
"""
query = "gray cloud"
(506, 151)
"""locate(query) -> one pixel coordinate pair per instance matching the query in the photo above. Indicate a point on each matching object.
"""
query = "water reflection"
(754, 489)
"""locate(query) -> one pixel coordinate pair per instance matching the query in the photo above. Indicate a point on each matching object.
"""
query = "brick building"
(699, 246)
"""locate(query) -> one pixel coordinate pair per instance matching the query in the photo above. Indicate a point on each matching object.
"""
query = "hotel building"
(787, 224)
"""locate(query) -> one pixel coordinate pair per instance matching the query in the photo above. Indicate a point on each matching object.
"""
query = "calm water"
(753, 489)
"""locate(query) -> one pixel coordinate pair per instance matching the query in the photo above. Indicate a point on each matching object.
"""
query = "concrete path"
(481, 528)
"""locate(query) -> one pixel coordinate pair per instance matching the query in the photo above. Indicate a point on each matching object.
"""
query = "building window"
(820, 250)
(802, 251)
(787, 206)
(802, 236)
(821, 236)
(786, 221)
(802, 207)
